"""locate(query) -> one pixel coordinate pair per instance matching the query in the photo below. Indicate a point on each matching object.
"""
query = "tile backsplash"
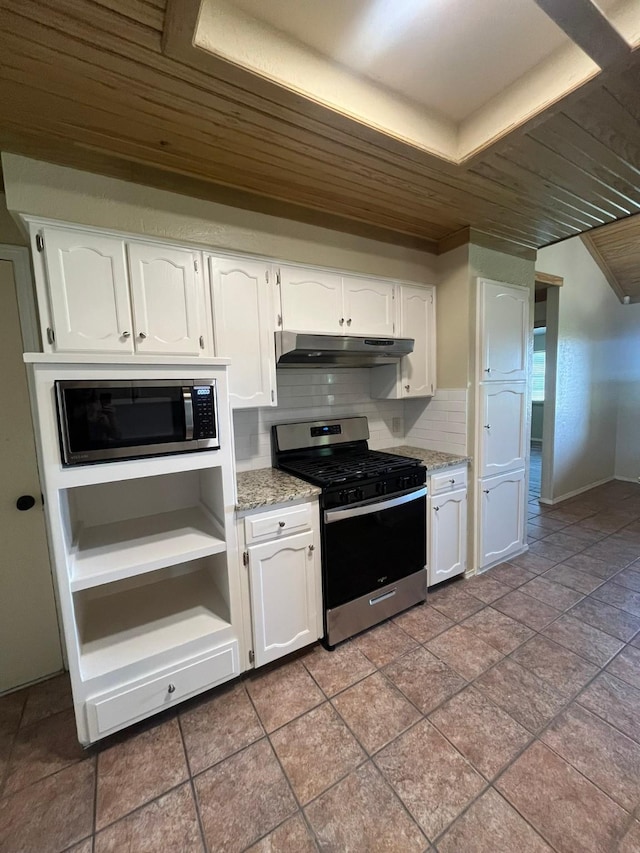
(439, 423)
(319, 394)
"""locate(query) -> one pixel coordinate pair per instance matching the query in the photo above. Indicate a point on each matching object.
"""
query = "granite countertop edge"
(434, 460)
(268, 486)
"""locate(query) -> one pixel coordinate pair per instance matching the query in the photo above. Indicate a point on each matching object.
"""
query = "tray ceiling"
(127, 88)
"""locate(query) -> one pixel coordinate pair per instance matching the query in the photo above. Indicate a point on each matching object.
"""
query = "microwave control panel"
(204, 422)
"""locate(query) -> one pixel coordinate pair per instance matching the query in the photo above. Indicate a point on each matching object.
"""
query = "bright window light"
(539, 364)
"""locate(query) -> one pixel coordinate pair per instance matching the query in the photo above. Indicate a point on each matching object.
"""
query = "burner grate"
(348, 467)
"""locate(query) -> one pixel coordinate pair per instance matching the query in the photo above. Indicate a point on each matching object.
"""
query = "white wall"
(627, 464)
(588, 370)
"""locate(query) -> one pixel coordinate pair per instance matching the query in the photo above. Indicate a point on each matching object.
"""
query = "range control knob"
(359, 494)
(381, 487)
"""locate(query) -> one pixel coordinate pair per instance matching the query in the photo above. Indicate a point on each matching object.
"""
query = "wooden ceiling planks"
(616, 249)
(92, 72)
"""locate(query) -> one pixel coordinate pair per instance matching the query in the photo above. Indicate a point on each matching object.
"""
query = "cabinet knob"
(452, 481)
(349, 321)
(126, 335)
(281, 523)
(312, 548)
(487, 426)
(487, 370)
(342, 321)
(25, 502)
(171, 688)
(141, 335)
(406, 387)
(486, 491)
(437, 508)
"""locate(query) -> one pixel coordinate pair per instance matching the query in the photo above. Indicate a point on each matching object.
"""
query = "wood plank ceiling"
(616, 249)
(86, 83)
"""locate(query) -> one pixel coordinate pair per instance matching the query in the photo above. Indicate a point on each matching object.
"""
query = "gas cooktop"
(345, 466)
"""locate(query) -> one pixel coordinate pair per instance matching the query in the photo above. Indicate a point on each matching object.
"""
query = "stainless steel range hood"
(299, 349)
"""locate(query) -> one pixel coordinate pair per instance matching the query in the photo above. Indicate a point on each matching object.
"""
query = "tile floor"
(504, 715)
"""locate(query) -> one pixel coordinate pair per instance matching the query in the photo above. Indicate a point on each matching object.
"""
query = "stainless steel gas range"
(373, 521)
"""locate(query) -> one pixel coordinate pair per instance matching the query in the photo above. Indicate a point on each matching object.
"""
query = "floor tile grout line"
(196, 802)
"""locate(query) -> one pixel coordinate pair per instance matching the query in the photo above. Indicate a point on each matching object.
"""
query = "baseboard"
(628, 479)
(554, 501)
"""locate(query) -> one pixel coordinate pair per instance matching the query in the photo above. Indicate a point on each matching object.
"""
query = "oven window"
(101, 418)
(366, 552)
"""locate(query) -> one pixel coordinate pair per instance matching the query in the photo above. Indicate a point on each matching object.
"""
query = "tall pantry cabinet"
(501, 420)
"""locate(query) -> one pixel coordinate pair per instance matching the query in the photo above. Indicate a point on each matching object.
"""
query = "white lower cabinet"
(447, 524)
(284, 580)
(501, 502)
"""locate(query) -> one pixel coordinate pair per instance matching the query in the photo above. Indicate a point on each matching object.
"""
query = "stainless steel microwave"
(103, 421)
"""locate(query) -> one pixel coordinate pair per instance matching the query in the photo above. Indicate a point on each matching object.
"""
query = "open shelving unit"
(145, 560)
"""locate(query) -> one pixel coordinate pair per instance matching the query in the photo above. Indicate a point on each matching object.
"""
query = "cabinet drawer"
(272, 525)
(116, 710)
(447, 481)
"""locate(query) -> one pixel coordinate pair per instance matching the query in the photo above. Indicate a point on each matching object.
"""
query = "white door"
(243, 329)
(283, 596)
(504, 331)
(29, 639)
(369, 306)
(166, 292)
(501, 501)
(447, 535)
(311, 301)
(503, 445)
(88, 292)
(417, 308)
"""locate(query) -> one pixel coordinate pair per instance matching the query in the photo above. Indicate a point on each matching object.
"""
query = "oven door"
(371, 545)
(124, 419)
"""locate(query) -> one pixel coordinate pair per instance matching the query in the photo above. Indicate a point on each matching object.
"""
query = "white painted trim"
(19, 256)
(627, 479)
(549, 411)
(554, 501)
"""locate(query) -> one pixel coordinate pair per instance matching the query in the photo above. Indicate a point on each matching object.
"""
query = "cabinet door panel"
(447, 536)
(501, 502)
(369, 307)
(243, 329)
(311, 301)
(283, 596)
(504, 331)
(88, 291)
(503, 444)
(165, 292)
(418, 323)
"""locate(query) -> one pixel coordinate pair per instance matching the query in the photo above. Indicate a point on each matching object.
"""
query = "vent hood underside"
(299, 349)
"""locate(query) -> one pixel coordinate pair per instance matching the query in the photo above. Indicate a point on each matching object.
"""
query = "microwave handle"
(188, 412)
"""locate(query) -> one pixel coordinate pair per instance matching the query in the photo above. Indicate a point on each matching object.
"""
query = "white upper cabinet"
(165, 286)
(415, 374)
(369, 307)
(88, 292)
(418, 322)
(328, 303)
(503, 445)
(243, 328)
(311, 301)
(504, 331)
(101, 293)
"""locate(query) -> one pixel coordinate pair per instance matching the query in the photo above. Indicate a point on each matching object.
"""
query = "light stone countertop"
(433, 459)
(267, 486)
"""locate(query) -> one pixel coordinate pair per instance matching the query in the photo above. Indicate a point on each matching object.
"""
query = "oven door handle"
(331, 515)
(187, 399)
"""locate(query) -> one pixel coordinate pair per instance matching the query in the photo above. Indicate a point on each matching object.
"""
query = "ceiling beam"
(589, 28)
(545, 279)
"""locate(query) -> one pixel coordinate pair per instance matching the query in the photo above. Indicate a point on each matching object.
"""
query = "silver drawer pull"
(171, 688)
(126, 334)
(452, 481)
(281, 523)
(383, 597)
